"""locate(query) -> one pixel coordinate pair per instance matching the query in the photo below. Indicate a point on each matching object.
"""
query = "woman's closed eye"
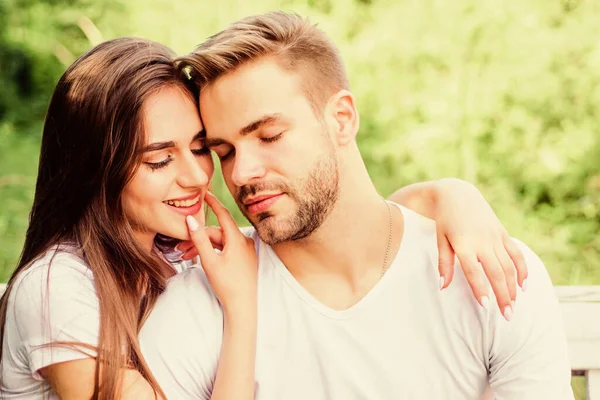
(203, 151)
(159, 164)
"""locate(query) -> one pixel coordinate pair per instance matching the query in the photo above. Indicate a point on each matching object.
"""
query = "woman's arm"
(468, 228)
(233, 276)
(74, 380)
(235, 373)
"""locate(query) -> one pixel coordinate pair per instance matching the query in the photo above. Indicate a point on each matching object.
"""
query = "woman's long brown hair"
(90, 149)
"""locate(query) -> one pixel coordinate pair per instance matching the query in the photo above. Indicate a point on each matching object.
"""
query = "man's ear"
(341, 110)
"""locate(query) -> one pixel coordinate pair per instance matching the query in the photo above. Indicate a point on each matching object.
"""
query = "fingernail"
(512, 304)
(442, 281)
(508, 313)
(524, 284)
(485, 303)
(192, 223)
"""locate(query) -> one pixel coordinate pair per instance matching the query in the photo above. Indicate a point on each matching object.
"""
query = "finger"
(445, 260)
(518, 260)
(495, 274)
(207, 254)
(184, 245)
(215, 234)
(475, 277)
(223, 215)
(509, 272)
(190, 254)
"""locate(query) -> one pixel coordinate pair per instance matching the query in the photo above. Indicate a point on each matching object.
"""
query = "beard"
(313, 196)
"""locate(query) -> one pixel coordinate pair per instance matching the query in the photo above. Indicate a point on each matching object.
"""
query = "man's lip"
(251, 200)
(263, 203)
(190, 197)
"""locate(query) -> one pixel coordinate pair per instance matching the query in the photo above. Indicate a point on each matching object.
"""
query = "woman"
(89, 274)
(122, 164)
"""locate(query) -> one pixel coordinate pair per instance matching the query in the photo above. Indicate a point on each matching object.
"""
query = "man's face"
(277, 157)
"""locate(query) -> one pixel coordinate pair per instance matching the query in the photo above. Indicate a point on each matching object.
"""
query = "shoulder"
(420, 235)
(539, 301)
(417, 226)
(58, 275)
(537, 272)
(529, 354)
(52, 300)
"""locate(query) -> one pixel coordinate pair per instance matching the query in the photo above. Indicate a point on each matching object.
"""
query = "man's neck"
(343, 259)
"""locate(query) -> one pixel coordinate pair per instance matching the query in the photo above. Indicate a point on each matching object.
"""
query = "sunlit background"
(503, 94)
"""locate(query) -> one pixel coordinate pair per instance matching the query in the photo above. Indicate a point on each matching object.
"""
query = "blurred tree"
(504, 94)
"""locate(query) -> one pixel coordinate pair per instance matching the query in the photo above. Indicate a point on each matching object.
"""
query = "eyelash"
(272, 138)
(197, 152)
(264, 140)
(161, 164)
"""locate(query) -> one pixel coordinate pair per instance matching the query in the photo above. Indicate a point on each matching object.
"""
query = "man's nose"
(248, 166)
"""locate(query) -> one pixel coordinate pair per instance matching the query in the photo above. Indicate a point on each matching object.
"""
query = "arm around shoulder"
(528, 356)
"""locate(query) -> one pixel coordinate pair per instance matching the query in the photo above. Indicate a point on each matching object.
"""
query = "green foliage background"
(503, 94)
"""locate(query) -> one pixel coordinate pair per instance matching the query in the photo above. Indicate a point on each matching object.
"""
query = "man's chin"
(267, 231)
(273, 231)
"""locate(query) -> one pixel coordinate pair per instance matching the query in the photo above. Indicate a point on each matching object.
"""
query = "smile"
(184, 203)
(190, 205)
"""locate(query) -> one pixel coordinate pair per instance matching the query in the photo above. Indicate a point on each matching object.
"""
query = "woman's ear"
(343, 115)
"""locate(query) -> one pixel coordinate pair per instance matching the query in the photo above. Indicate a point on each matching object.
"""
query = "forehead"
(253, 90)
(170, 114)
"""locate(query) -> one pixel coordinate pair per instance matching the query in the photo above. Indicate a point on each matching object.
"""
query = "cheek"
(207, 165)
(145, 189)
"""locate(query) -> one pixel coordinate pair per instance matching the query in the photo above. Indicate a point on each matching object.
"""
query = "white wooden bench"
(581, 313)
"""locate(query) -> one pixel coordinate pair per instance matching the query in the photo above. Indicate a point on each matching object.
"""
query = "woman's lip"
(264, 204)
(185, 211)
(192, 196)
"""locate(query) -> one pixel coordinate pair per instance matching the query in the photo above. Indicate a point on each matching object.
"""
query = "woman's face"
(176, 168)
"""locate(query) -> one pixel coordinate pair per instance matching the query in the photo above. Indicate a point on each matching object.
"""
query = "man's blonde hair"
(295, 44)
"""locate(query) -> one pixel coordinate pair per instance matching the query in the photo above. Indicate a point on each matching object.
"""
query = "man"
(348, 298)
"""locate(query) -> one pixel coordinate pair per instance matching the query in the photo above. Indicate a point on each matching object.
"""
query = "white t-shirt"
(404, 340)
(53, 300)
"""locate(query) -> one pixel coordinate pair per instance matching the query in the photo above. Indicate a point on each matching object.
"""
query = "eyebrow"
(246, 130)
(259, 123)
(165, 145)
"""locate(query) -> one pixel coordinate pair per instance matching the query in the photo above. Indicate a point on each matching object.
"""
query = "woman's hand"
(468, 228)
(232, 272)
